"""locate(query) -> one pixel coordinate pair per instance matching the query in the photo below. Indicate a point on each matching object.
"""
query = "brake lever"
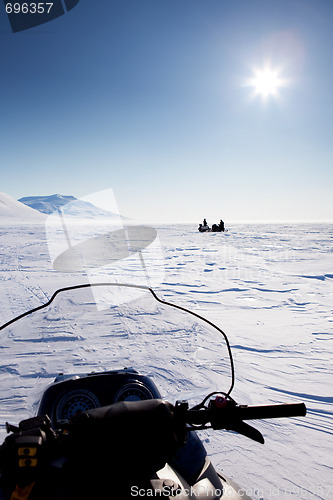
(246, 430)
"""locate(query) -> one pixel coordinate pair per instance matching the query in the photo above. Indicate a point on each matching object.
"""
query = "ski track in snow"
(269, 287)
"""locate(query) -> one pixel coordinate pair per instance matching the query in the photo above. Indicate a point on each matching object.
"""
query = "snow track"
(270, 287)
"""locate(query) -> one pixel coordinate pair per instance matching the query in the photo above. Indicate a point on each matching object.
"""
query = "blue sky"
(152, 99)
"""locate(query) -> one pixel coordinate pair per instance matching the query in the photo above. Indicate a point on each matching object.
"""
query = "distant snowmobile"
(216, 228)
(203, 229)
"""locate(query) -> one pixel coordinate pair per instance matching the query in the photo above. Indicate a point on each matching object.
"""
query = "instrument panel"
(70, 395)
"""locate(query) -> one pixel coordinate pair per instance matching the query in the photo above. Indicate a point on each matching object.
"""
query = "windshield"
(127, 327)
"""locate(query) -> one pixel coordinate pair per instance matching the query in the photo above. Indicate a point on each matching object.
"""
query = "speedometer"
(75, 402)
(134, 391)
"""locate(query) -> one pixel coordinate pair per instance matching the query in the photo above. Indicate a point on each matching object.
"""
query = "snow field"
(269, 287)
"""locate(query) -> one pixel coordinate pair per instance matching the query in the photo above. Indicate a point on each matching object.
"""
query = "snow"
(11, 209)
(269, 287)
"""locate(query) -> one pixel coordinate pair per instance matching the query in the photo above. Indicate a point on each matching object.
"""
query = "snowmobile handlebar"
(155, 426)
(223, 413)
(149, 417)
(271, 411)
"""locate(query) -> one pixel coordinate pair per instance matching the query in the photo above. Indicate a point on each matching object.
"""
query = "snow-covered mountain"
(46, 204)
(15, 210)
(70, 206)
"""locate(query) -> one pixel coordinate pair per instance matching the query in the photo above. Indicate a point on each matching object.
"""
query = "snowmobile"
(204, 229)
(216, 228)
(128, 424)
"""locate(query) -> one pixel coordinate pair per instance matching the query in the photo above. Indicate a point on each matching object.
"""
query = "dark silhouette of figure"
(204, 227)
(218, 228)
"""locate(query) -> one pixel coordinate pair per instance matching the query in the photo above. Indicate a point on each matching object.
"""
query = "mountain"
(46, 204)
(13, 209)
(70, 206)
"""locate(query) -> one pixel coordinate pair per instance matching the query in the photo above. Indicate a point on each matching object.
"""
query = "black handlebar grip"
(270, 411)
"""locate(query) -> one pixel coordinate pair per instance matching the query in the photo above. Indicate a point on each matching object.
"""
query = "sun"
(266, 82)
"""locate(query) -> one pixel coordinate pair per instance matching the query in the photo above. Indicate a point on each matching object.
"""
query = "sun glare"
(266, 82)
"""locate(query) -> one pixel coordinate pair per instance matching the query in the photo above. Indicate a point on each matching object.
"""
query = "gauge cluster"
(70, 395)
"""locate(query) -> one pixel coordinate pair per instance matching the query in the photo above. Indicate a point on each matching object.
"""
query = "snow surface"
(11, 209)
(269, 287)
